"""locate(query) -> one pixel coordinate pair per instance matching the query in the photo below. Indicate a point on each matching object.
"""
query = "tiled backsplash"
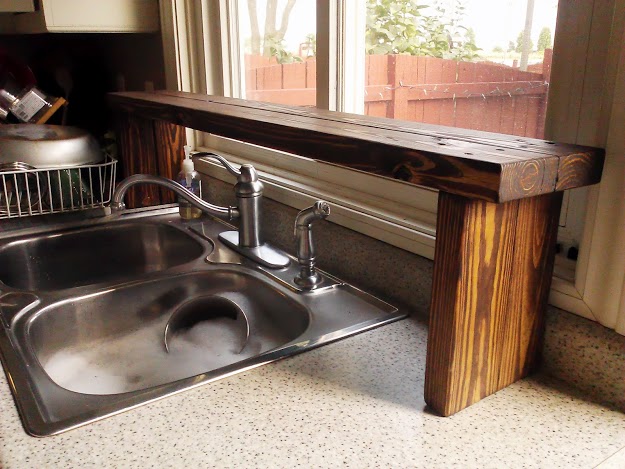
(576, 350)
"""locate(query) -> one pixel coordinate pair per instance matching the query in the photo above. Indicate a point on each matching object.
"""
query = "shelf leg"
(492, 273)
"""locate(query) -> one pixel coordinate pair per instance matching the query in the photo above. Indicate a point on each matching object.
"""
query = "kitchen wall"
(97, 63)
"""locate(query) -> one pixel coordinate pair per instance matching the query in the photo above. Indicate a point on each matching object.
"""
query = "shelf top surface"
(475, 164)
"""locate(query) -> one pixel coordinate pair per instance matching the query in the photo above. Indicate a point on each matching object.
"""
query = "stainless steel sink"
(54, 261)
(90, 345)
(82, 333)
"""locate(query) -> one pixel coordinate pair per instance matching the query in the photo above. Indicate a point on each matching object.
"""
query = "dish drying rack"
(27, 191)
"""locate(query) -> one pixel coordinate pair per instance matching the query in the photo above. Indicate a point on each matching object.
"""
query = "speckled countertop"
(355, 403)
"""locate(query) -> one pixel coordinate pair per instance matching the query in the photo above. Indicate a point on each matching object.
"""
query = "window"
(279, 51)
(281, 48)
(211, 43)
(445, 64)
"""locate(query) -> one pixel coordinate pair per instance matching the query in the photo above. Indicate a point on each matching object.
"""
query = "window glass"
(475, 64)
(279, 47)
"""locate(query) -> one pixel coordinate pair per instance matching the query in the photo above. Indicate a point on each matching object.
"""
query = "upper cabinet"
(81, 16)
(13, 6)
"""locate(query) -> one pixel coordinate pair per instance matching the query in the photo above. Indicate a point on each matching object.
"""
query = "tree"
(273, 35)
(310, 46)
(519, 43)
(544, 39)
(470, 35)
(408, 27)
(498, 49)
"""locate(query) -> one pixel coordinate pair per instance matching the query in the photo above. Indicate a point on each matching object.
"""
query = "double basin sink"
(84, 310)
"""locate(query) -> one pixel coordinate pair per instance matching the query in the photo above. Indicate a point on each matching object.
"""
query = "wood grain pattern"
(486, 166)
(492, 273)
(169, 141)
(138, 155)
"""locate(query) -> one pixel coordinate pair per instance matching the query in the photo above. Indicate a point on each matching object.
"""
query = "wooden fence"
(480, 96)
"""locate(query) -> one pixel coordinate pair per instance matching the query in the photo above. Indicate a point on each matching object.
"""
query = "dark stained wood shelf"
(480, 165)
(497, 221)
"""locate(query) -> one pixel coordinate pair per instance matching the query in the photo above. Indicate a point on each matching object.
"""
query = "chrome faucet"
(248, 191)
(308, 277)
(117, 201)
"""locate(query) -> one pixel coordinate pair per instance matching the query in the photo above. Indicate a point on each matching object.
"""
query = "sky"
(495, 22)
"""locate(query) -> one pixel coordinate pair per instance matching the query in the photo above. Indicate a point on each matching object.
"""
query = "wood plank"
(311, 74)
(475, 164)
(417, 75)
(448, 105)
(532, 126)
(270, 78)
(137, 150)
(377, 109)
(470, 105)
(492, 114)
(399, 73)
(294, 75)
(520, 115)
(378, 72)
(506, 121)
(250, 79)
(482, 117)
(169, 141)
(433, 74)
(466, 72)
(577, 170)
(193, 101)
(569, 67)
(298, 97)
(492, 273)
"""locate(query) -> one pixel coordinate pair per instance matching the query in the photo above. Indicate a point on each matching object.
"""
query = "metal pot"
(48, 146)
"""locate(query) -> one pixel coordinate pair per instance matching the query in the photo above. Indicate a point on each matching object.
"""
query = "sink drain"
(209, 311)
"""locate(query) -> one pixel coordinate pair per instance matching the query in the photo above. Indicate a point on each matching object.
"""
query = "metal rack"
(27, 191)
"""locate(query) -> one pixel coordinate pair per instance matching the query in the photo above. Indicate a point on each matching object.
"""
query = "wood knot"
(530, 175)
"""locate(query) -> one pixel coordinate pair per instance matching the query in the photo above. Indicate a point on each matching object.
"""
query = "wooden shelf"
(481, 165)
(498, 211)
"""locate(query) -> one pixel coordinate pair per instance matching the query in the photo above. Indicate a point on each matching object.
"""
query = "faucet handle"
(226, 164)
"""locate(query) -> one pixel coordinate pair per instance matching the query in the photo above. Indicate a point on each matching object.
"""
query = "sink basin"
(111, 342)
(83, 314)
(100, 254)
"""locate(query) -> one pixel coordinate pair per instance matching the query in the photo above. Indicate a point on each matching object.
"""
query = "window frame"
(405, 216)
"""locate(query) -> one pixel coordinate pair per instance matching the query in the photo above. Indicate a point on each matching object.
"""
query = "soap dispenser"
(190, 179)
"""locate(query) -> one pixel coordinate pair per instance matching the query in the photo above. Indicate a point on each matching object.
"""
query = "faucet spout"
(117, 201)
(248, 191)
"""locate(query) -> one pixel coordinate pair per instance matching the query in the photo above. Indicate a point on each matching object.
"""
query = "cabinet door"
(91, 16)
(16, 6)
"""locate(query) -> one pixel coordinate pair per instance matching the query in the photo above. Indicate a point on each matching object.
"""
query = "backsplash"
(372, 265)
